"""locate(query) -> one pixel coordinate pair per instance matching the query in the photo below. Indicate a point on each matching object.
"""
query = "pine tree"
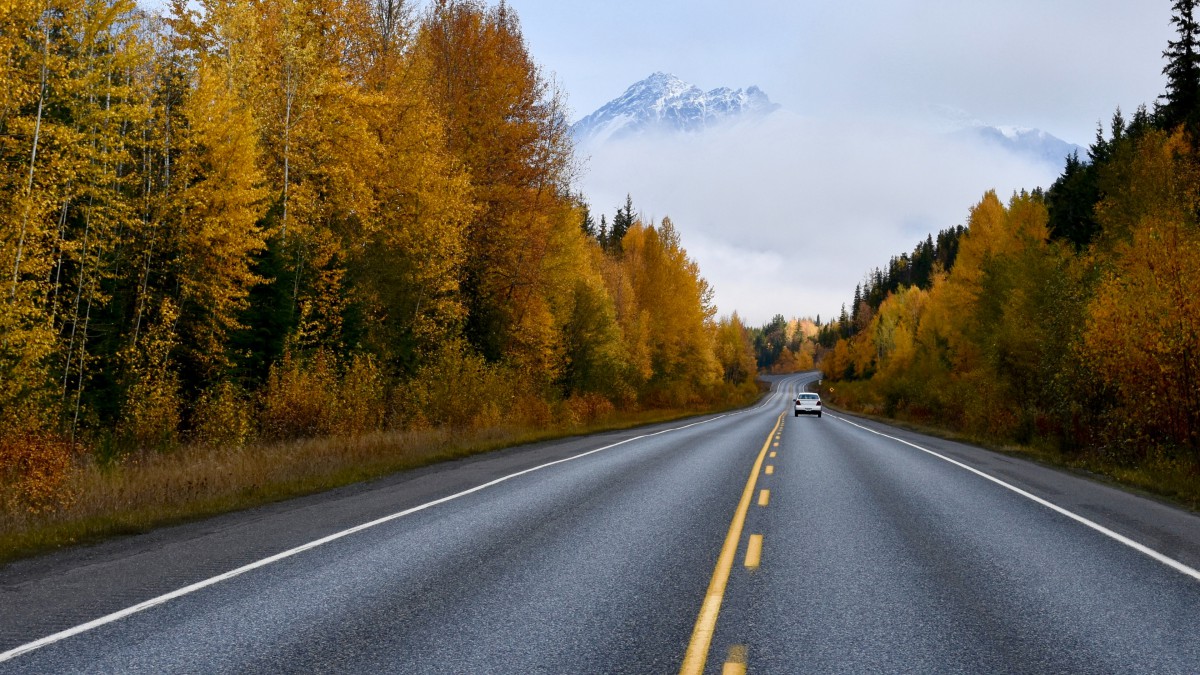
(1182, 98)
(587, 223)
(621, 224)
(922, 263)
(1072, 200)
(858, 296)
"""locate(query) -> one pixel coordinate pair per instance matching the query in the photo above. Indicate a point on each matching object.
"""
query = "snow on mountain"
(1033, 143)
(664, 102)
(1025, 141)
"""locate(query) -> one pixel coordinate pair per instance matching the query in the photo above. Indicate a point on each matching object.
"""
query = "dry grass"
(153, 489)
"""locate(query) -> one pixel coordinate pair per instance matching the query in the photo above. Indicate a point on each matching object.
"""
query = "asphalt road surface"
(749, 542)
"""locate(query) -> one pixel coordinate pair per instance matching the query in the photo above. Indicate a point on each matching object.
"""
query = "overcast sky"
(787, 216)
(1059, 65)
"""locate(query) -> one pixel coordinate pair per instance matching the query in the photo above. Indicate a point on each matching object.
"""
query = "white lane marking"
(1169, 562)
(167, 597)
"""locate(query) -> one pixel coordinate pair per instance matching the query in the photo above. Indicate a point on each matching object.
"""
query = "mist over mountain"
(1032, 143)
(1024, 142)
(665, 103)
(764, 193)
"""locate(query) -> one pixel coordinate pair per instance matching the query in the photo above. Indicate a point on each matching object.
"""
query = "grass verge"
(148, 491)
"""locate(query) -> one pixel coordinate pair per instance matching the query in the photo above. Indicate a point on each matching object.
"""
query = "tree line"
(1068, 316)
(290, 218)
(786, 345)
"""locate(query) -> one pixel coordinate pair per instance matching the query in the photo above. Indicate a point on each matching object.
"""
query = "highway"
(747, 542)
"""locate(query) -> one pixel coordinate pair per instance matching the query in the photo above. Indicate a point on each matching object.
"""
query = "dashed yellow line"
(754, 552)
(764, 496)
(736, 663)
(770, 469)
(772, 455)
(697, 651)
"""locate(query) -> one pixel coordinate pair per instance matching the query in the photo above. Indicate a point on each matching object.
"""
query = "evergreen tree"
(922, 263)
(1071, 201)
(947, 246)
(621, 224)
(1140, 124)
(1180, 102)
(587, 224)
(857, 301)
(770, 340)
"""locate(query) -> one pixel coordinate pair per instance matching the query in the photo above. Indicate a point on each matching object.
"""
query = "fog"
(786, 214)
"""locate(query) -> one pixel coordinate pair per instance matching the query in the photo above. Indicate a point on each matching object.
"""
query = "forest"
(1066, 318)
(243, 224)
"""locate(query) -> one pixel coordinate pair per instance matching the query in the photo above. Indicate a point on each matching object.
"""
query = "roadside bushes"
(306, 398)
(34, 473)
(458, 388)
(224, 417)
(584, 409)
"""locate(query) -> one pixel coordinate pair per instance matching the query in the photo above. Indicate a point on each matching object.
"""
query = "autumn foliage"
(1069, 318)
(300, 218)
(1029, 337)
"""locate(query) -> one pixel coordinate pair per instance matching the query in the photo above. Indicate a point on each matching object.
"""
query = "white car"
(808, 404)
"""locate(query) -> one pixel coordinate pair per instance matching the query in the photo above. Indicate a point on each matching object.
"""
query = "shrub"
(300, 398)
(150, 418)
(34, 473)
(584, 409)
(223, 417)
(458, 388)
(361, 398)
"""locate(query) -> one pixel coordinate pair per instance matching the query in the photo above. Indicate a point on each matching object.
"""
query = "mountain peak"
(663, 102)
(660, 76)
(1025, 141)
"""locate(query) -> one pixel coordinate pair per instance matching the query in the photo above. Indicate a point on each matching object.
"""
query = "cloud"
(786, 214)
(1059, 66)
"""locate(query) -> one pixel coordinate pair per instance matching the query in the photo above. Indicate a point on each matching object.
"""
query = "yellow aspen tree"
(217, 209)
(296, 91)
(1143, 330)
(30, 143)
(735, 351)
(1142, 336)
(84, 61)
(632, 319)
(506, 124)
(399, 200)
(678, 304)
(106, 99)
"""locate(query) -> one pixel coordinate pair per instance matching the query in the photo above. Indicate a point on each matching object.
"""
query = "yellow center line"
(772, 455)
(770, 469)
(697, 651)
(764, 496)
(754, 552)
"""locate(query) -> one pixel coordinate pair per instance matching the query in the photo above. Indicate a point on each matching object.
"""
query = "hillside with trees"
(1068, 318)
(245, 224)
(786, 345)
